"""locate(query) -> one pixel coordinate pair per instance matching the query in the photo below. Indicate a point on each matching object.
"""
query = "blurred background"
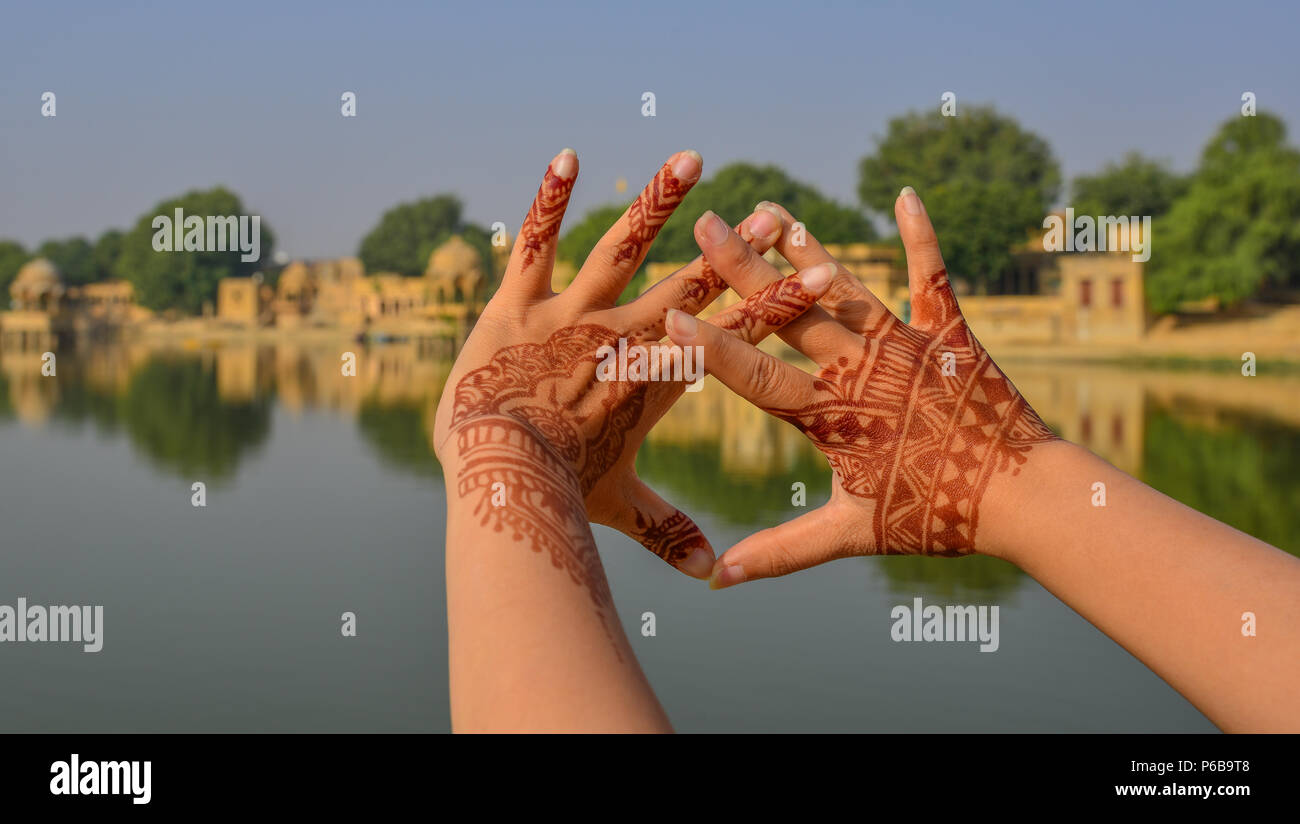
(383, 147)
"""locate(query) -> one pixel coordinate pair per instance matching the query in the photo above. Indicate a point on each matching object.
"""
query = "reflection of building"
(1050, 298)
(44, 310)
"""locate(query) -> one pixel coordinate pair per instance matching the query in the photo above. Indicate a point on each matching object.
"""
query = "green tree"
(985, 180)
(106, 252)
(12, 258)
(407, 233)
(731, 192)
(1237, 229)
(185, 280)
(1134, 186)
(73, 257)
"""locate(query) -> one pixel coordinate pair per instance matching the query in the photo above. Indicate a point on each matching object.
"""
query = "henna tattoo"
(771, 307)
(543, 221)
(648, 213)
(672, 539)
(918, 445)
(545, 509)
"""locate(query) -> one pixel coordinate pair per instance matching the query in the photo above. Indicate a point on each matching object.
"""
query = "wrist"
(1021, 512)
(501, 449)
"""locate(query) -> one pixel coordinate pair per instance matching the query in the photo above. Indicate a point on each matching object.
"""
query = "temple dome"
(295, 279)
(36, 277)
(453, 257)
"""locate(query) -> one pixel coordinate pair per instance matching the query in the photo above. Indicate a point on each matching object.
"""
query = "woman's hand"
(916, 420)
(528, 375)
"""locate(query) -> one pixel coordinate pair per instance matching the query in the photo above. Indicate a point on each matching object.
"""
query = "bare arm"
(1167, 583)
(935, 452)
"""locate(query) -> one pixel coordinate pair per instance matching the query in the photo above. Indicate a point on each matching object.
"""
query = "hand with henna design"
(536, 444)
(532, 358)
(916, 420)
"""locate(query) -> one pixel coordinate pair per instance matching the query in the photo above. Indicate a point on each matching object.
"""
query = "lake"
(323, 497)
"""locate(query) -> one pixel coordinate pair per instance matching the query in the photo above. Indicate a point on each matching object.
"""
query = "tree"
(72, 257)
(12, 258)
(105, 254)
(732, 193)
(186, 280)
(1135, 186)
(1237, 229)
(407, 233)
(986, 183)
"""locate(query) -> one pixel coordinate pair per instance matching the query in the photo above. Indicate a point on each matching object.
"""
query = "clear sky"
(474, 98)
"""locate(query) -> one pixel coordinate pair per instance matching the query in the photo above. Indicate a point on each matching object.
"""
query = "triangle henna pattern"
(920, 444)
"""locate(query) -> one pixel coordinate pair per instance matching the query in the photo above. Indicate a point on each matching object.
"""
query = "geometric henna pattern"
(672, 539)
(648, 213)
(921, 446)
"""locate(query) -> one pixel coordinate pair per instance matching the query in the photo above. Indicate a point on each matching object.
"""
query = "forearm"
(534, 641)
(1167, 583)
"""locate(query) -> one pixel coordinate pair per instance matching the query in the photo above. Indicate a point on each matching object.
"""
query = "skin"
(951, 464)
(536, 446)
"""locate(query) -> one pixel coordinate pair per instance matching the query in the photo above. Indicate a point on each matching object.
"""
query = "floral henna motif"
(919, 444)
(672, 539)
(543, 221)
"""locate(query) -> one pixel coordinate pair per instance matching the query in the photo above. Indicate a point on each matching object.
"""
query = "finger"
(696, 285)
(816, 334)
(933, 304)
(847, 300)
(667, 532)
(775, 305)
(533, 256)
(765, 381)
(811, 539)
(619, 253)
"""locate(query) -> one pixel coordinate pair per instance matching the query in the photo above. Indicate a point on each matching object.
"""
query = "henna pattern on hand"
(648, 213)
(918, 445)
(771, 307)
(542, 223)
(672, 539)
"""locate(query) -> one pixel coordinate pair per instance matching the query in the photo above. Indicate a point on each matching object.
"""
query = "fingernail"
(770, 207)
(817, 278)
(713, 228)
(565, 164)
(727, 576)
(688, 165)
(682, 325)
(911, 203)
(764, 223)
(699, 565)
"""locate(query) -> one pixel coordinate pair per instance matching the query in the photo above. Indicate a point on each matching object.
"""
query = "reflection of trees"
(398, 432)
(173, 414)
(693, 478)
(6, 406)
(976, 577)
(1242, 471)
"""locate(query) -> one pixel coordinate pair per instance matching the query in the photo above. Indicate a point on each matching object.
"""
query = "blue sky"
(475, 98)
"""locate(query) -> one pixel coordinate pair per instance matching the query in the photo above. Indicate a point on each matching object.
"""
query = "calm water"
(323, 496)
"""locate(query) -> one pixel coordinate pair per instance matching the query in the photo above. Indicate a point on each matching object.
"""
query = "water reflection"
(1218, 442)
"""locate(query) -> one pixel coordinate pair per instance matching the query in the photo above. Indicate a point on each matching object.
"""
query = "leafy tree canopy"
(73, 257)
(1237, 229)
(1134, 186)
(408, 233)
(185, 280)
(985, 180)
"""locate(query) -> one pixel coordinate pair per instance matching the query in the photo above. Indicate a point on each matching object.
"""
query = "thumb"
(666, 531)
(807, 541)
